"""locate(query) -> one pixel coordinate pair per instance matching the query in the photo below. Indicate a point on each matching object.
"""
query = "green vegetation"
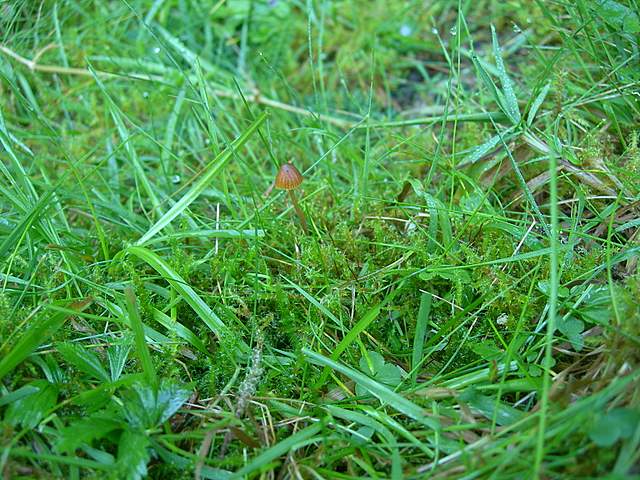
(462, 304)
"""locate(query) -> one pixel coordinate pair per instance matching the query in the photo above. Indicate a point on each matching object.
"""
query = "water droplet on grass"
(405, 30)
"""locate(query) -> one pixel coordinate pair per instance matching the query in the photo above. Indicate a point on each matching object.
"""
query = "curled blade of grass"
(493, 88)
(190, 57)
(61, 459)
(28, 220)
(201, 184)
(380, 391)
(396, 426)
(367, 421)
(169, 133)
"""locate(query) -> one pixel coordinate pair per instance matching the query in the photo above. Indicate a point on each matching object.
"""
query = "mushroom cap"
(289, 177)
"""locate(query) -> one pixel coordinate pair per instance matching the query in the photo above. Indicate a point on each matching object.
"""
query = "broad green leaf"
(487, 351)
(144, 407)
(84, 360)
(619, 15)
(375, 367)
(133, 455)
(85, 431)
(21, 392)
(29, 410)
(596, 307)
(572, 328)
(614, 425)
(117, 355)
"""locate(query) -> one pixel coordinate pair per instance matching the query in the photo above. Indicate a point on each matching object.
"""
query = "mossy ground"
(458, 308)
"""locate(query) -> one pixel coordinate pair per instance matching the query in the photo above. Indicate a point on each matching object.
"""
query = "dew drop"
(156, 50)
(175, 179)
(405, 30)
(453, 30)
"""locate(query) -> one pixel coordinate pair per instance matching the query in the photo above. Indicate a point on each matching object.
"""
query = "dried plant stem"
(299, 212)
(253, 96)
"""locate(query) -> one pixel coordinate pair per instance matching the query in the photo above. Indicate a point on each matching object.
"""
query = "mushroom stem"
(299, 212)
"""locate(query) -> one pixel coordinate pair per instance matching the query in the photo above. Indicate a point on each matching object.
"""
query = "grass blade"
(314, 302)
(179, 330)
(138, 331)
(212, 169)
(511, 102)
(481, 150)
(421, 330)
(351, 336)
(303, 437)
(35, 336)
(535, 106)
(383, 393)
(185, 291)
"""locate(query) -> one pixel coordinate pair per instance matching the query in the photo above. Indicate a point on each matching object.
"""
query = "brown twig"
(253, 96)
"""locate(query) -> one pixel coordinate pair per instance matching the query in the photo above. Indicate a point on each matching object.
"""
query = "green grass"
(463, 305)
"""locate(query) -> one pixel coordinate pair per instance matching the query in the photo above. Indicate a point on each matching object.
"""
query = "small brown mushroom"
(289, 178)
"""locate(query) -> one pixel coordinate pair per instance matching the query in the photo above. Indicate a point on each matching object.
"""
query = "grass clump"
(461, 300)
